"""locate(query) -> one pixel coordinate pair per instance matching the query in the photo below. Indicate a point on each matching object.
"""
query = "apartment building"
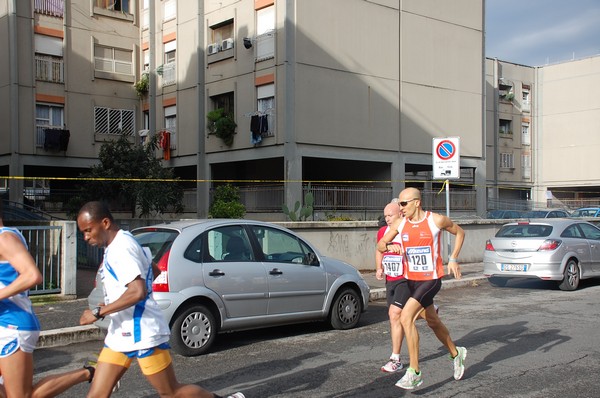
(542, 127)
(568, 132)
(66, 88)
(510, 142)
(350, 104)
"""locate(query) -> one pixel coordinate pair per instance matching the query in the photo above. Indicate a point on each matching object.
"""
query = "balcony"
(53, 8)
(49, 69)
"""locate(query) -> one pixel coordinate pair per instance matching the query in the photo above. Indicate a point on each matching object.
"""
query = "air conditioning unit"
(213, 48)
(227, 44)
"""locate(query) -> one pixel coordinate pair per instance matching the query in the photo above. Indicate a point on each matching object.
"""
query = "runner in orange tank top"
(420, 237)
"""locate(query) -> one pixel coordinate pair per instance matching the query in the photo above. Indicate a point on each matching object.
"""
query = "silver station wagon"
(561, 250)
(221, 275)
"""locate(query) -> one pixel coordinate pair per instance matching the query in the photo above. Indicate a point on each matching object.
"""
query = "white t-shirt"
(140, 326)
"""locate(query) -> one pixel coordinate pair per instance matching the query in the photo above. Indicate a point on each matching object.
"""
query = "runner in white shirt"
(137, 327)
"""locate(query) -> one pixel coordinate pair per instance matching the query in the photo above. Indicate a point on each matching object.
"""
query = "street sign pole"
(446, 166)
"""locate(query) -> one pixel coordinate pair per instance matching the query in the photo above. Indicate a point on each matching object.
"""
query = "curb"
(70, 335)
(379, 293)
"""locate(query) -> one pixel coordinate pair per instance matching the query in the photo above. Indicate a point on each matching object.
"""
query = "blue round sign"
(445, 150)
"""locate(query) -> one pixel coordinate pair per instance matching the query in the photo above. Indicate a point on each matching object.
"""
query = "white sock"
(395, 357)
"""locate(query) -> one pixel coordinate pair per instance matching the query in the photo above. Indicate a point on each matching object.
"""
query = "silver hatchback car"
(562, 250)
(220, 275)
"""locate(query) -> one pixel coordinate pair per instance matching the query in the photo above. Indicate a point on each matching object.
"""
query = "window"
(114, 121)
(113, 60)
(221, 32)
(171, 123)
(526, 165)
(146, 14)
(223, 101)
(170, 10)
(146, 56)
(282, 247)
(507, 161)
(48, 59)
(266, 106)
(168, 69)
(525, 136)
(47, 116)
(505, 127)
(114, 5)
(265, 33)
(526, 96)
(229, 244)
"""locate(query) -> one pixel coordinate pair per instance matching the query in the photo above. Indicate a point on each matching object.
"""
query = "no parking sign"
(446, 158)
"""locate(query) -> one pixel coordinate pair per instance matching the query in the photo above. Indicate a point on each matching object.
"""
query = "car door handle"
(275, 271)
(216, 272)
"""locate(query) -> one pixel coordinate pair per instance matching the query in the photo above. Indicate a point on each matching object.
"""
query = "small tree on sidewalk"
(130, 176)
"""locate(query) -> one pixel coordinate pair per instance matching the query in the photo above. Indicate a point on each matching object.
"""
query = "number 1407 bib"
(419, 259)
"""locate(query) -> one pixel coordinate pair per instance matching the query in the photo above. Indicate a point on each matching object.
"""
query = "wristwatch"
(96, 312)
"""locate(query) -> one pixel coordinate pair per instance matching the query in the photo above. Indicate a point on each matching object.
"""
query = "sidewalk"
(59, 319)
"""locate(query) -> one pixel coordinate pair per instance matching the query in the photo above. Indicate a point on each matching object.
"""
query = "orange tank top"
(421, 241)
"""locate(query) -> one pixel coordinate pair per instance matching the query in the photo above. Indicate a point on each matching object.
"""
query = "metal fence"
(45, 246)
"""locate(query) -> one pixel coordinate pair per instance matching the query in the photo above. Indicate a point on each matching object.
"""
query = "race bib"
(419, 259)
(392, 265)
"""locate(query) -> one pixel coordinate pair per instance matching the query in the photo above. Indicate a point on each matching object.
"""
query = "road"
(525, 340)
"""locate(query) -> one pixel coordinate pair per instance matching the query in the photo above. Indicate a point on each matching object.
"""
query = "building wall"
(441, 53)
(569, 125)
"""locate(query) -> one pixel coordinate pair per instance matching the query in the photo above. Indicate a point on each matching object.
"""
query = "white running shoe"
(410, 380)
(392, 366)
(236, 395)
(459, 362)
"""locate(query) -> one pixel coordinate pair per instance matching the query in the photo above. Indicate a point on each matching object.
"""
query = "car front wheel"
(571, 276)
(194, 331)
(345, 310)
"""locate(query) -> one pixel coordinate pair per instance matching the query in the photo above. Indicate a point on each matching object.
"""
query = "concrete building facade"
(349, 104)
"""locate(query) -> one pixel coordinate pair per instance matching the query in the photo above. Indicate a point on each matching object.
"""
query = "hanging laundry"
(264, 124)
(255, 129)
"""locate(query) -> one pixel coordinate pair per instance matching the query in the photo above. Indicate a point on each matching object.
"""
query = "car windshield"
(524, 231)
(585, 213)
(155, 239)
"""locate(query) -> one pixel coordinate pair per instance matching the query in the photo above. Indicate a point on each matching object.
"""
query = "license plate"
(513, 267)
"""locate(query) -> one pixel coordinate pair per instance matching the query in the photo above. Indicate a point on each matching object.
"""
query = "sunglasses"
(405, 202)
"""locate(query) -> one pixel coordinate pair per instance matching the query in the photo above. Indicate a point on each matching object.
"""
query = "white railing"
(49, 69)
(53, 8)
(169, 75)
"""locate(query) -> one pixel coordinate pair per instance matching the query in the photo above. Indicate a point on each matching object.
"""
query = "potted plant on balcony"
(142, 86)
(222, 125)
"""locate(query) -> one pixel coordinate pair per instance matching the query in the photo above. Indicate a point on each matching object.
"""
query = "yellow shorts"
(150, 364)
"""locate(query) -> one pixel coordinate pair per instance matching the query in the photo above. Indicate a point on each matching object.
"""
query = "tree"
(226, 203)
(130, 176)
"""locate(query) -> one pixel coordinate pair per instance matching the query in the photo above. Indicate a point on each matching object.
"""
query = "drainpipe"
(202, 169)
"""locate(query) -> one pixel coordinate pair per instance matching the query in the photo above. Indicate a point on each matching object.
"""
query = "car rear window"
(524, 231)
(155, 239)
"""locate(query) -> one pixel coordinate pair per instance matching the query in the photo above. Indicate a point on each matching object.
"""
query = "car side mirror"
(311, 259)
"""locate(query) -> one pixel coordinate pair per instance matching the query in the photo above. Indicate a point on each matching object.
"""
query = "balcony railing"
(270, 198)
(53, 8)
(169, 75)
(49, 69)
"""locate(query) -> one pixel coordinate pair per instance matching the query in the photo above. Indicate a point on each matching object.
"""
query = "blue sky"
(540, 32)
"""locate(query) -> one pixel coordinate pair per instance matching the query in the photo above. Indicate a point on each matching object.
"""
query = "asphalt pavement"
(59, 319)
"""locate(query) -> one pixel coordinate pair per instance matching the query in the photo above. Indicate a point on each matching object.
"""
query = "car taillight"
(550, 244)
(161, 282)
(489, 247)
